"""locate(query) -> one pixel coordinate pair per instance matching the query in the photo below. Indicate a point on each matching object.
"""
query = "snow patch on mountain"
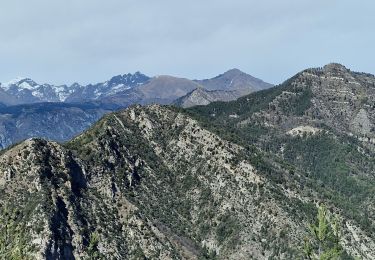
(25, 85)
(7, 85)
(26, 90)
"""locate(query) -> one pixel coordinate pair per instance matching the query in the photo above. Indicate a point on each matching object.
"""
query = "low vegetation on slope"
(316, 121)
(238, 180)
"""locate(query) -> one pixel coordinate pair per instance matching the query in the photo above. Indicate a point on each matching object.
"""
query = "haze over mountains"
(72, 109)
(229, 180)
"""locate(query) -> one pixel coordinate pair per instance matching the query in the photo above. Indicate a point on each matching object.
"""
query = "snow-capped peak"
(25, 90)
(7, 85)
(25, 84)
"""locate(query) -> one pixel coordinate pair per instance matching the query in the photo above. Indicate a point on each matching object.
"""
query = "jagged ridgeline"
(237, 180)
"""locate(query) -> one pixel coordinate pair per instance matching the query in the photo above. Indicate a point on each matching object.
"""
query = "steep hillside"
(333, 98)
(151, 182)
(230, 180)
(321, 121)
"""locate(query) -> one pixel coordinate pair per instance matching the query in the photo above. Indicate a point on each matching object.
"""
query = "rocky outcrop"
(236, 180)
(321, 122)
(201, 97)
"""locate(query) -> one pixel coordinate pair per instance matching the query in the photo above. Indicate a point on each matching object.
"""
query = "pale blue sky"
(62, 41)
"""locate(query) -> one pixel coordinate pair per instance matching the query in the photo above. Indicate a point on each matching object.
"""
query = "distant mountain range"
(58, 112)
(125, 89)
(26, 91)
(230, 180)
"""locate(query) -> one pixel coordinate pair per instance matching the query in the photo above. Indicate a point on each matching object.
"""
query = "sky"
(89, 41)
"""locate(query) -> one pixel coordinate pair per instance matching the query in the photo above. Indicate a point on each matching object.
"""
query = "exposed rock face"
(303, 130)
(333, 95)
(152, 182)
(361, 123)
(201, 97)
(321, 122)
(236, 180)
(38, 199)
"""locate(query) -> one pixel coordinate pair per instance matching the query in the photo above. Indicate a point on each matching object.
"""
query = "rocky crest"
(332, 95)
(230, 180)
(152, 182)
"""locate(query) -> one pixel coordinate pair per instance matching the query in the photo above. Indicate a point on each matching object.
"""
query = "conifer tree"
(323, 240)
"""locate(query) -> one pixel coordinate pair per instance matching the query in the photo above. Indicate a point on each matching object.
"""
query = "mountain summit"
(331, 67)
(234, 79)
(225, 87)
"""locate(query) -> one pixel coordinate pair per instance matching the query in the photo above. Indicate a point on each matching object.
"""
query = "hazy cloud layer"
(61, 41)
